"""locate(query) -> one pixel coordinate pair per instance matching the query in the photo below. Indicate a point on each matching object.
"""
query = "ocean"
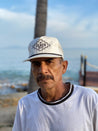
(13, 71)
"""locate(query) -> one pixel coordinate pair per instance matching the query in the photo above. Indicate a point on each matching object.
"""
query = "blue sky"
(73, 22)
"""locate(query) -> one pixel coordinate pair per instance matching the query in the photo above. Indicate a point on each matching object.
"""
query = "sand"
(8, 106)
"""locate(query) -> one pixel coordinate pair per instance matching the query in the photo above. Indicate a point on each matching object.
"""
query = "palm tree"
(40, 30)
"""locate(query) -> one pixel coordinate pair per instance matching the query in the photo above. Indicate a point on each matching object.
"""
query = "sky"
(73, 22)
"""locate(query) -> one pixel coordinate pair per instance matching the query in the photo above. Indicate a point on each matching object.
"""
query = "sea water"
(14, 71)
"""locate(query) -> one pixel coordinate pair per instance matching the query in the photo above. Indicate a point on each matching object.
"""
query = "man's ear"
(64, 64)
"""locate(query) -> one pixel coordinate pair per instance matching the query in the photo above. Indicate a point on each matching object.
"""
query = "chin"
(45, 85)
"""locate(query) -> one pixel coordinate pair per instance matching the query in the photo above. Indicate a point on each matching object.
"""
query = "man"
(55, 106)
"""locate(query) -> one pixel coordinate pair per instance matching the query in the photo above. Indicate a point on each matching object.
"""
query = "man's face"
(48, 71)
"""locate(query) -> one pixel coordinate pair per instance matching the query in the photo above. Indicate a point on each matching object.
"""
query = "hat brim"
(43, 56)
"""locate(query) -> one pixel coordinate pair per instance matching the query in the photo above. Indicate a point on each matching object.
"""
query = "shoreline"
(7, 89)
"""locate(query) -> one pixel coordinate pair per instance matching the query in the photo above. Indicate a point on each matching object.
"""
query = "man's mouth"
(44, 77)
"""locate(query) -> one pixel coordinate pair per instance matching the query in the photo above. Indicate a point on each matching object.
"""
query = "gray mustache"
(44, 77)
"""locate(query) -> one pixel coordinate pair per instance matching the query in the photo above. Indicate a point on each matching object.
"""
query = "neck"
(54, 94)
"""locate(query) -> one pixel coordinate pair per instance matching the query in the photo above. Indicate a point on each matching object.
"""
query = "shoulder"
(86, 94)
(85, 91)
(28, 98)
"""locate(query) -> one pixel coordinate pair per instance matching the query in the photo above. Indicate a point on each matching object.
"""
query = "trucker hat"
(44, 47)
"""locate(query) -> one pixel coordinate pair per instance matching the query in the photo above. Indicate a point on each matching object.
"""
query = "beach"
(14, 72)
(8, 106)
(14, 77)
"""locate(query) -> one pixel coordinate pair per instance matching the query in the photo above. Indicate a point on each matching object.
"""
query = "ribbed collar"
(58, 101)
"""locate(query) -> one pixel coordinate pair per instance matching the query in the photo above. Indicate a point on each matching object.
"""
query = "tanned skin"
(48, 75)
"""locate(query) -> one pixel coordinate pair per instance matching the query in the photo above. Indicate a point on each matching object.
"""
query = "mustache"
(44, 77)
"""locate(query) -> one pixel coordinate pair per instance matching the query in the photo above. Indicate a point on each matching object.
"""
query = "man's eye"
(36, 63)
(49, 61)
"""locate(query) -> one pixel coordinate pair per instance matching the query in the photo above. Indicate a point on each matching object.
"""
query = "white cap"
(44, 47)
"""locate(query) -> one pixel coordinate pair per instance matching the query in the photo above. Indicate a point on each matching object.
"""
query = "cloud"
(74, 28)
(18, 18)
(15, 28)
(71, 27)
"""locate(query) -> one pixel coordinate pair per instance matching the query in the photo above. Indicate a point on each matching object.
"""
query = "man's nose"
(43, 68)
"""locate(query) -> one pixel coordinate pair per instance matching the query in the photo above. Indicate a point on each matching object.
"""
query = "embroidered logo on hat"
(41, 45)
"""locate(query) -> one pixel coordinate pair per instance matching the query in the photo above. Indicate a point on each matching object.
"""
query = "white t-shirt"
(78, 111)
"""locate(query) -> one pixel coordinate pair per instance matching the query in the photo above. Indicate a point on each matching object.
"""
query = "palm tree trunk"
(41, 18)
(40, 30)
